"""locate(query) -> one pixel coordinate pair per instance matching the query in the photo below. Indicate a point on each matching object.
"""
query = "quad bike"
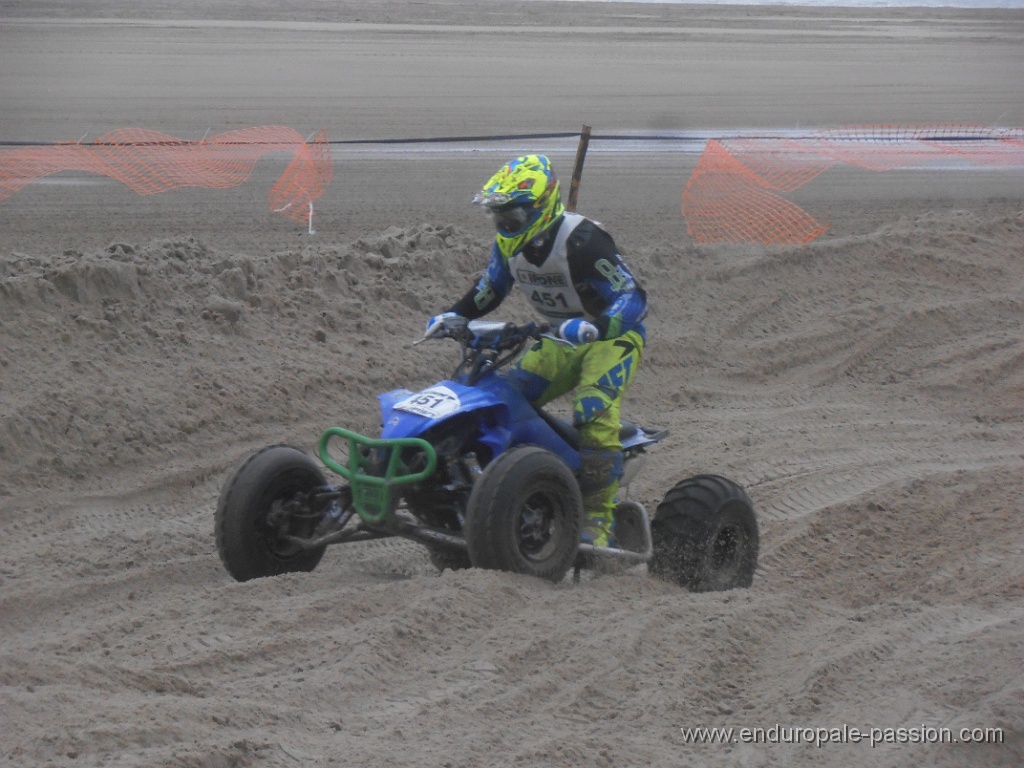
(469, 468)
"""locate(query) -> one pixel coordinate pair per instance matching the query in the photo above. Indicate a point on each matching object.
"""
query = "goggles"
(512, 220)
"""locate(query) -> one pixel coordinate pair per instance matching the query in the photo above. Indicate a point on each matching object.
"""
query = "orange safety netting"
(149, 162)
(733, 193)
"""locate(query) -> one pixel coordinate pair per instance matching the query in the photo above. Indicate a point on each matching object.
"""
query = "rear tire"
(249, 541)
(524, 515)
(705, 535)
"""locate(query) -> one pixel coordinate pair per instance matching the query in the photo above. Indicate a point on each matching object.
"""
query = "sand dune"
(866, 391)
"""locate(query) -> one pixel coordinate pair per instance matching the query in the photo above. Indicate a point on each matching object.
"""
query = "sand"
(867, 389)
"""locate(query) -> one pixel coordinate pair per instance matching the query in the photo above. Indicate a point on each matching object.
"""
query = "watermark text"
(844, 734)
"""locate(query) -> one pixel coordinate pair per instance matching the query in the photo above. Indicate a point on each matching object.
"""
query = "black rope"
(522, 137)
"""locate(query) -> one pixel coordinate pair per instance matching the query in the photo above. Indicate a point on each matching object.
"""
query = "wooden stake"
(577, 171)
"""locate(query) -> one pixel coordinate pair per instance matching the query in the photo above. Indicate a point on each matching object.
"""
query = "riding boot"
(599, 484)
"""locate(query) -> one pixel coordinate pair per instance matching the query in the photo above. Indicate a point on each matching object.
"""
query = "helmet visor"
(511, 220)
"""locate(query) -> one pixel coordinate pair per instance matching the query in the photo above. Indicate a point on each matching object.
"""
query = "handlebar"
(488, 345)
(489, 334)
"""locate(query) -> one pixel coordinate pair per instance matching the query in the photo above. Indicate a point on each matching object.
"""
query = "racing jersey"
(574, 271)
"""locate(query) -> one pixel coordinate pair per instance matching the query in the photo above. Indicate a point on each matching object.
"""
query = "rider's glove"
(578, 331)
(446, 320)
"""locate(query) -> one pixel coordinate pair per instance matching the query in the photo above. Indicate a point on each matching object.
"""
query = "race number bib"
(432, 403)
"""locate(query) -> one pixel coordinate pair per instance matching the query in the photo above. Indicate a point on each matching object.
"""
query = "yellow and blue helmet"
(523, 199)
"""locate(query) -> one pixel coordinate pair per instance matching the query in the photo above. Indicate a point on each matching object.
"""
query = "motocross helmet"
(523, 199)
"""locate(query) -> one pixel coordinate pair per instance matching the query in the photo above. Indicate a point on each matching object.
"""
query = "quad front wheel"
(524, 515)
(260, 507)
(705, 535)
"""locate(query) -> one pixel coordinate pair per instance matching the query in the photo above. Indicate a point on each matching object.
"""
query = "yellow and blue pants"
(598, 374)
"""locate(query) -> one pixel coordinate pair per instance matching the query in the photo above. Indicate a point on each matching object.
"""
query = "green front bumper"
(372, 494)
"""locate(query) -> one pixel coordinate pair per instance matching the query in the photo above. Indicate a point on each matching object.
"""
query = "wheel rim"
(727, 550)
(538, 525)
(278, 521)
(277, 544)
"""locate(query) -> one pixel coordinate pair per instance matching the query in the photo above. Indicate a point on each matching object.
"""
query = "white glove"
(446, 320)
(578, 331)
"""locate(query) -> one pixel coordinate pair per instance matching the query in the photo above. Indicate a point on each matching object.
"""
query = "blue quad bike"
(470, 469)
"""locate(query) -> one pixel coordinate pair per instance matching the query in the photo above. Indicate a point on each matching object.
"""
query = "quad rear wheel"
(524, 515)
(705, 535)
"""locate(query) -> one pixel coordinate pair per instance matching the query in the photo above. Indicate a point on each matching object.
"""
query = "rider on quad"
(572, 273)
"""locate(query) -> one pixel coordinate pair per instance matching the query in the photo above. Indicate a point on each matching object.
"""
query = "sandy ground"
(867, 390)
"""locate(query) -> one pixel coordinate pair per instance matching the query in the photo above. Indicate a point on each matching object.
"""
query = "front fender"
(410, 414)
(504, 417)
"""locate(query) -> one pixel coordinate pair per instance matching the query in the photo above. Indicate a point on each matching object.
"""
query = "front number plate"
(432, 403)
